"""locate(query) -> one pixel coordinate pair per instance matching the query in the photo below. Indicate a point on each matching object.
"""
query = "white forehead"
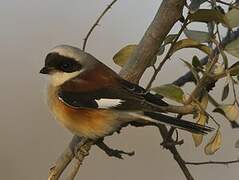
(69, 51)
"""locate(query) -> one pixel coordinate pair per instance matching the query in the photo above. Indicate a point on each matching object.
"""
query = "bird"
(93, 101)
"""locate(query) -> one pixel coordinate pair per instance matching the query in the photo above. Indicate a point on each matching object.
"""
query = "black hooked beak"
(45, 70)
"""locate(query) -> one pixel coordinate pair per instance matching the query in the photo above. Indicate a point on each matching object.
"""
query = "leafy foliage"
(189, 43)
(232, 17)
(209, 15)
(170, 91)
(205, 73)
(199, 36)
(198, 138)
(233, 48)
(214, 144)
(121, 57)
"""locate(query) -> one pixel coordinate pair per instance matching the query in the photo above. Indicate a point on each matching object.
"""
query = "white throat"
(58, 78)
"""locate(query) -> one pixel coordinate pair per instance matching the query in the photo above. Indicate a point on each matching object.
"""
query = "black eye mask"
(62, 63)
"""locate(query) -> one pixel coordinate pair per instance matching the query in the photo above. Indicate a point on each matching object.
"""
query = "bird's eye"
(67, 67)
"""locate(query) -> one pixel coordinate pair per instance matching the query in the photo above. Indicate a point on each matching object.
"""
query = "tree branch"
(146, 50)
(64, 159)
(167, 56)
(81, 150)
(169, 12)
(213, 162)
(188, 77)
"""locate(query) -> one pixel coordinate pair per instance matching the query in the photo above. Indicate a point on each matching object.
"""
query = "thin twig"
(202, 82)
(212, 101)
(213, 162)
(97, 23)
(167, 56)
(177, 157)
(234, 91)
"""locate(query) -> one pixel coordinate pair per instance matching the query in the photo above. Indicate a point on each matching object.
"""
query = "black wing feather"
(133, 97)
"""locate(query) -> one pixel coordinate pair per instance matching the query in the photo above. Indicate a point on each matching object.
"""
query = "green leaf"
(192, 69)
(189, 43)
(233, 48)
(225, 59)
(232, 17)
(225, 92)
(198, 36)
(122, 57)
(168, 40)
(196, 62)
(208, 15)
(170, 91)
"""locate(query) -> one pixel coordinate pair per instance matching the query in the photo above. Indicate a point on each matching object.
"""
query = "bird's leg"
(112, 152)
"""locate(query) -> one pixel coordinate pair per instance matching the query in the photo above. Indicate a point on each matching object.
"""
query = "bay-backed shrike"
(92, 101)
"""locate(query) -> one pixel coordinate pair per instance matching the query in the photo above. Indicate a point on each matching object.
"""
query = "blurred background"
(30, 138)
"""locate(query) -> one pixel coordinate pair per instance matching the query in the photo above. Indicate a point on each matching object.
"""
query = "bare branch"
(164, 133)
(97, 23)
(81, 152)
(63, 161)
(180, 161)
(170, 11)
(148, 47)
(213, 162)
(74, 170)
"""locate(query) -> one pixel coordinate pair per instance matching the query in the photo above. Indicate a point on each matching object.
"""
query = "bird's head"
(65, 62)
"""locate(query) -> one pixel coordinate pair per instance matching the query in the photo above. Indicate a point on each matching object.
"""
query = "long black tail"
(179, 123)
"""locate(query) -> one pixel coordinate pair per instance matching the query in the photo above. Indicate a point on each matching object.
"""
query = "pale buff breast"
(91, 123)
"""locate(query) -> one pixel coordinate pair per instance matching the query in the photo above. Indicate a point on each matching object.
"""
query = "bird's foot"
(112, 152)
(170, 143)
(119, 153)
(82, 148)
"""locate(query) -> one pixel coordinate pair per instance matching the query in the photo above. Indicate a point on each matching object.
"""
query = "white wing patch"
(108, 103)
